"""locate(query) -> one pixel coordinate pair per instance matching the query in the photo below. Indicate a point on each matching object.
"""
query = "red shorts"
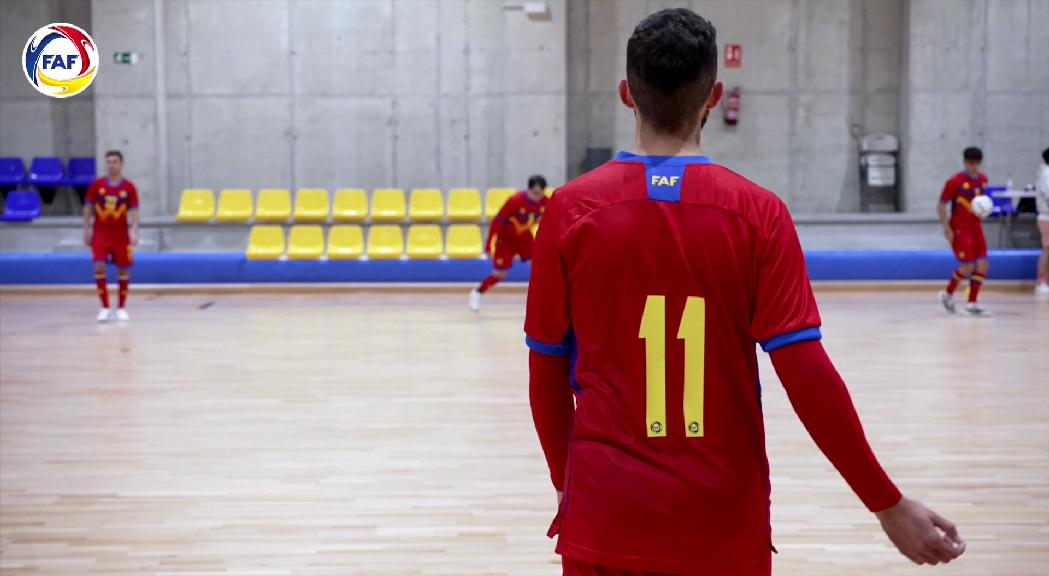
(115, 250)
(969, 245)
(506, 250)
(573, 567)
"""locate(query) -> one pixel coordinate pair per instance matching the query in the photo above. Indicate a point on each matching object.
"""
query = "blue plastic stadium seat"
(12, 171)
(45, 171)
(21, 206)
(81, 172)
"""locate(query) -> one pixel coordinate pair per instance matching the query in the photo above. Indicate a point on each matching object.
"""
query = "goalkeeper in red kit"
(654, 275)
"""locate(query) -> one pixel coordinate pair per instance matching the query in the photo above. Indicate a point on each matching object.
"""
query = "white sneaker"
(947, 300)
(974, 309)
(104, 315)
(475, 300)
(1042, 289)
(122, 315)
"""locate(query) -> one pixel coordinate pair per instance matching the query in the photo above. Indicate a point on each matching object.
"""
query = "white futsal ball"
(982, 206)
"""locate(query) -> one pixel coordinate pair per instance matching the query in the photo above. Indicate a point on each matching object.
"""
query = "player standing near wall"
(964, 230)
(111, 203)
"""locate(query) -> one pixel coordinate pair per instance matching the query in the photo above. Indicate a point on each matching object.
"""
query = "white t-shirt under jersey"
(1043, 192)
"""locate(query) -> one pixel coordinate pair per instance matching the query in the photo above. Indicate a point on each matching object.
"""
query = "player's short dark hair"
(671, 66)
(536, 180)
(973, 153)
(115, 153)
(1045, 155)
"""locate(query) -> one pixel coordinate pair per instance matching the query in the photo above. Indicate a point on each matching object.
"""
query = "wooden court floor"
(389, 434)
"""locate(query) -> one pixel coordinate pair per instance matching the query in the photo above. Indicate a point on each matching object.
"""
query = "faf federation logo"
(60, 60)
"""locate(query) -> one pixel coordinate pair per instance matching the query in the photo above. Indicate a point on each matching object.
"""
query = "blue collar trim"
(662, 160)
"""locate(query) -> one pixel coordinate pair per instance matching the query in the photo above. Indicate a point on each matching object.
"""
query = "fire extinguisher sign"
(733, 55)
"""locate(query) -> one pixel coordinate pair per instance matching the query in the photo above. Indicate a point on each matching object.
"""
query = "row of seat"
(346, 241)
(46, 171)
(347, 205)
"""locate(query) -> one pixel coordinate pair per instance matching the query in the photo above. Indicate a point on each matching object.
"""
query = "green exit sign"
(125, 57)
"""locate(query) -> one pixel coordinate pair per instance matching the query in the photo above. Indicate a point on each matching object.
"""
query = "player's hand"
(921, 534)
(134, 237)
(949, 234)
(87, 237)
(560, 495)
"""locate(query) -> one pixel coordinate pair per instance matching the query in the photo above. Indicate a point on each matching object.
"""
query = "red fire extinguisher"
(731, 108)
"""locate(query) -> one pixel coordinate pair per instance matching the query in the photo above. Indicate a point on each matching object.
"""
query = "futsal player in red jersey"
(512, 231)
(654, 276)
(964, 230)
(110, 204)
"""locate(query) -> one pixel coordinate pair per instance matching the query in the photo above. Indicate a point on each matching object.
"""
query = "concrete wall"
(32, 124)
(447, 93)
(815, 72)
(329, 93)
(977, 73)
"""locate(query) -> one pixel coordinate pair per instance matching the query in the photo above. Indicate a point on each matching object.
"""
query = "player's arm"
(133, 215)
(497, 223)
(89, 214)
(549, 338)
(941, 209)
(786, 322)
(823, 404)
(553, 409)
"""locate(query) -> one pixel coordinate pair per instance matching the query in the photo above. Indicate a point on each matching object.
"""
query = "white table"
(1014, 195)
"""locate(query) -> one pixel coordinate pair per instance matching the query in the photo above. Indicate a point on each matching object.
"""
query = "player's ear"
(624, 94)
(715, 95)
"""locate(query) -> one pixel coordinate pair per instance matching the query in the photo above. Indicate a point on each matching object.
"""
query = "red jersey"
(517, 217)
(658, 274)
(111, 203)
(960, 190)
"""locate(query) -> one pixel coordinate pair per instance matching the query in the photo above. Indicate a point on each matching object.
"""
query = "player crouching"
(512, 231)
(110, 203)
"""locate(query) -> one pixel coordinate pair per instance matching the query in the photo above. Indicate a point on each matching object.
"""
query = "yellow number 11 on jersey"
(693, 331)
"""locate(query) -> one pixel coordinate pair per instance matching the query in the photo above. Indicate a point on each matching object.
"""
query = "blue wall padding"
(231, 268)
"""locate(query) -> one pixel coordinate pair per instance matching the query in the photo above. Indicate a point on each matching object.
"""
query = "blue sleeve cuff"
(788, 338)
(565, 348)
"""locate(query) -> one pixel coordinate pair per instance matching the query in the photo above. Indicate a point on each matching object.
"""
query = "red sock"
(490, 281)
(123, 288)
(955, 279)
(103, 290)
(975, 282)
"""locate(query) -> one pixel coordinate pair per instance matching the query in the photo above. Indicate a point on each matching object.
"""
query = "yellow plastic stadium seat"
(351, 205)
(425, 242)
(266, 243)
(388, 205)
(196, 205)
(273, 205)
(426, 205)
(464, 241)
(311, 205)
(495, 200)
(464, 205)
(305, 242)
(235, 205)
(345, 242)
(385, 242)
